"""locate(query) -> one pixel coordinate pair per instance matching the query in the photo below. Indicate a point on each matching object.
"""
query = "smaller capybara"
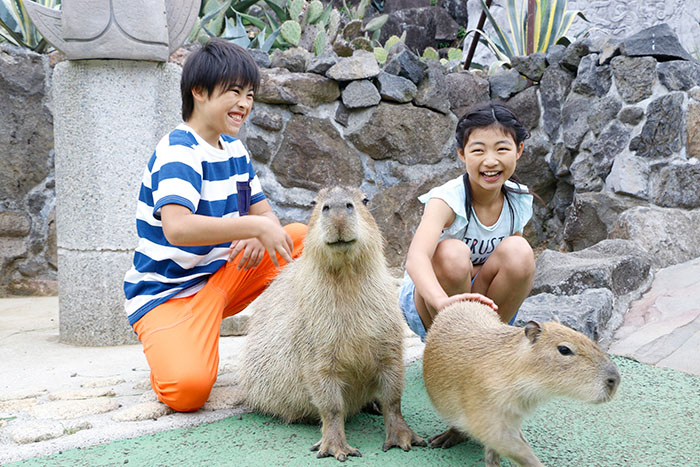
(325, 338)
(484, 377)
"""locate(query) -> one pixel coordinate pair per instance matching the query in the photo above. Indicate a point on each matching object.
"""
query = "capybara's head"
(567, 363)
(341, 227)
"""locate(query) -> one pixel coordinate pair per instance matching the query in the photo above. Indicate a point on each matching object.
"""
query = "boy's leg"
(240, 286)
(181, 337)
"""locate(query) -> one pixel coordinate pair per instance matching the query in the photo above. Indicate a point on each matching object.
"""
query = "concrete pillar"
(108, 117)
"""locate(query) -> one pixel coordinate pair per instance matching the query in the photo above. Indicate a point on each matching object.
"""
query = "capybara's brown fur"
(325, 338)
(484, 377)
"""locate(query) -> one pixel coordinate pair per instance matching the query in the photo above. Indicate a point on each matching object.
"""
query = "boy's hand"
(276, 240)
(253, 252)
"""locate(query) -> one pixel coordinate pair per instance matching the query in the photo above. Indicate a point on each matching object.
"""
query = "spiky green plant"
(18, 29)
(552, 22)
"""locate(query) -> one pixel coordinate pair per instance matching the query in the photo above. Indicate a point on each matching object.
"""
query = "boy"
(208, 239)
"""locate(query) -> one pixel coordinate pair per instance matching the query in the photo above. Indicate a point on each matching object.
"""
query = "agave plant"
(551, 23)
(18, 29)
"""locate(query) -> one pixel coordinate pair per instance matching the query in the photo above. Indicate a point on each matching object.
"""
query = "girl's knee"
(188, 392)
(518, 255)
(452, 261)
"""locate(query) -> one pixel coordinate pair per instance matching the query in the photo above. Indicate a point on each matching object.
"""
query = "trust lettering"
(482, 248)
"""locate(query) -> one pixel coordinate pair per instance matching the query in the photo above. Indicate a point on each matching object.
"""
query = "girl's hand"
(253, 252)
(476, 297)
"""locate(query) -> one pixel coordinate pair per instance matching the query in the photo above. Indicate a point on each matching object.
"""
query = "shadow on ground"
(653, 421)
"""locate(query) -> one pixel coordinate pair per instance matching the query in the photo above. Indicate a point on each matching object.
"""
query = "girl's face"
(490, 156)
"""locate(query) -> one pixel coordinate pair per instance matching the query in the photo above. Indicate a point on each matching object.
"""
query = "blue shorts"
(408, 306)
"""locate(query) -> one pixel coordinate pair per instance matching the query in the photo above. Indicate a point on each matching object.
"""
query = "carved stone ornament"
(124, 29)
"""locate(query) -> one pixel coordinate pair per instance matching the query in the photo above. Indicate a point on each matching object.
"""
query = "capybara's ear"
(532, 331)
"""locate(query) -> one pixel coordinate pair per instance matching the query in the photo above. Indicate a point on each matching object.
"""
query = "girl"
(469, 244)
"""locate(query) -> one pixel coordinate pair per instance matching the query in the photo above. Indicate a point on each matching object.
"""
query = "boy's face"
(225, 110)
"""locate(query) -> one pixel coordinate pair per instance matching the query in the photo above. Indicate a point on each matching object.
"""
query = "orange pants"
(181, 336)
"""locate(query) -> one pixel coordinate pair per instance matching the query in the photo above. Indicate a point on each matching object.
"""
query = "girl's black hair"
(485, 115)
(217, 63)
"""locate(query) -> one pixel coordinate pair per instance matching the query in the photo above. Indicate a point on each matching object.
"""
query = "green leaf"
(295, 8)
(291, 32)
(381, 55)
(257, 22)
(430, 54)
(505, 45)
(314, 11)
(390, 43)
(320, 42)
(454, 54)
(377, 23)
(281, 14)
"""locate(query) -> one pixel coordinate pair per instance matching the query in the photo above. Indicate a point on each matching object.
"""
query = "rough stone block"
(91, 298)
(109, 116)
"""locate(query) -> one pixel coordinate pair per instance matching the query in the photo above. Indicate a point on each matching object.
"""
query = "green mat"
(653, 421)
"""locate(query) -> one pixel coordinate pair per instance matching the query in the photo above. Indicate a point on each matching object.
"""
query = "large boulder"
(416, 134)
(670, 236)
(591, 218)
(662, 132)
(619, 265)
(588, 312)
(278, 86)
(313, 154)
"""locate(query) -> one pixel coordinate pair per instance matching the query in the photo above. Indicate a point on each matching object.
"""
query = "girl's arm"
(436, 216)
(183, 228)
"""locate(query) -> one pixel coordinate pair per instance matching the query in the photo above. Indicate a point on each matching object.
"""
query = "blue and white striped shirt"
(184, 170)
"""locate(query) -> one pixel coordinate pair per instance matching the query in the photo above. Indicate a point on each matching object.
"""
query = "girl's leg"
(453, 269)
(181, 337)
(507, 276)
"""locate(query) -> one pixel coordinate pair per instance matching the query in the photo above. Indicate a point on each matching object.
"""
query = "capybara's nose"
(612, 380)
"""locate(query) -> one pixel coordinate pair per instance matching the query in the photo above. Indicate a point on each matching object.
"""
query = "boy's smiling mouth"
(236, 117)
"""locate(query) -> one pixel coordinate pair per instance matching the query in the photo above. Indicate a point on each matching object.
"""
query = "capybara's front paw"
(339, 449)
(447, 439)
(402, 437)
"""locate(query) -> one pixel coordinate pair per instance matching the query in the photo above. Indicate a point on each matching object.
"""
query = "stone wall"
(28, 259)
(613, 155)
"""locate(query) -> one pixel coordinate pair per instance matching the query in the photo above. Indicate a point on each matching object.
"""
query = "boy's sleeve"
(176, 178)
(256, 192)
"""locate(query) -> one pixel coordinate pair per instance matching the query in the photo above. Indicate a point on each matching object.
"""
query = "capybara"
(484, 377)
(325, 338)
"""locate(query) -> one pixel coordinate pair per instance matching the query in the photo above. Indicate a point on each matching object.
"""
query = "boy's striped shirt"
(184, 170)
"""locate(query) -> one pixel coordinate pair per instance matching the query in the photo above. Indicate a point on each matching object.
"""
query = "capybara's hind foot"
(402, 436)
(340, 450)
(447, 439)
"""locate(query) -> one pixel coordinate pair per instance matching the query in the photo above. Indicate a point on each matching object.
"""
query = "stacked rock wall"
(613, 154)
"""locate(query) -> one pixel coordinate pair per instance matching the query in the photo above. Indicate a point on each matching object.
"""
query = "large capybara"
(484, 377)
(325, 338)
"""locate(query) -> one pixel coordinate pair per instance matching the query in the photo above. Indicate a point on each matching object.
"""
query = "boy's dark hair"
(485, 115)
(217, 63)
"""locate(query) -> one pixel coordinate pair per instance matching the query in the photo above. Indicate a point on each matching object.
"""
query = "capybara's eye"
(313, 202)
(349, 206)
(365, 201)
(564, 350)
(326, 208)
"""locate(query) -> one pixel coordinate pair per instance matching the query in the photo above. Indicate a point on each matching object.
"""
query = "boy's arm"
(183, 228)
(253, 250)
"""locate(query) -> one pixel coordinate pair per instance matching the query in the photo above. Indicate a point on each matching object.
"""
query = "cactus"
(314, 11)
(333, 25)
(381, 55)
(376, 23)
(291, 32)
(454, 54)
(319, 42)
(430, 54)
(390, 43)
(361, 43)
(352, 29)
(295, 8)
